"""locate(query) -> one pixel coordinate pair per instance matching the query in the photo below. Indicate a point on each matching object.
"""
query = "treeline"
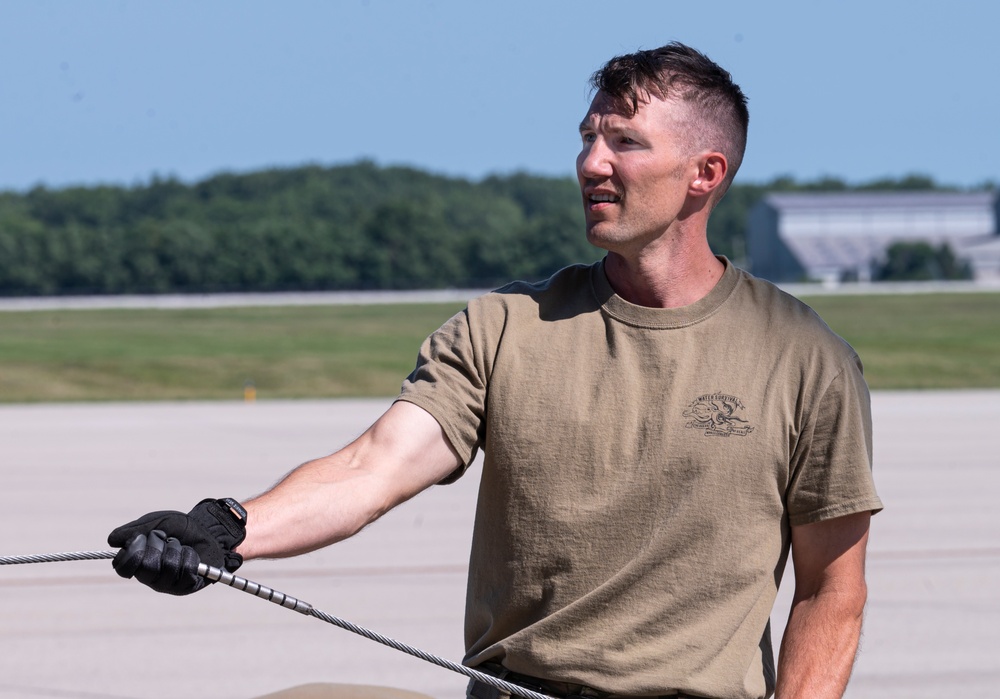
(356, 226)
(920, 261)
(351, 227)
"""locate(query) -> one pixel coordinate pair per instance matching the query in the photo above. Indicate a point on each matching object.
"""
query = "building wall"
(767, 253)
(912, 223)
(825, 237)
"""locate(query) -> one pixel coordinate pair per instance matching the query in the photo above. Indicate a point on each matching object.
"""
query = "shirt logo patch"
(718, 414)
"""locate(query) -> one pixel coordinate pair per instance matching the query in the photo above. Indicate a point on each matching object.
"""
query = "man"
(658, 429)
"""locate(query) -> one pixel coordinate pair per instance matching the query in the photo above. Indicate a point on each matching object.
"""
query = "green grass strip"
(918, 341)
(286, 352)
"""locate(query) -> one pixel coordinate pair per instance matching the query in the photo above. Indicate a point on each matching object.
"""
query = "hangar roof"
(881, 215)
(880, 200)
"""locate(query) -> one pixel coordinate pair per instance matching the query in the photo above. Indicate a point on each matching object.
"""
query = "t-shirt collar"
(644, 316)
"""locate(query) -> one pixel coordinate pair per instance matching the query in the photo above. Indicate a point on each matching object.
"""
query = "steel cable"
(289, 602)
(57, 557)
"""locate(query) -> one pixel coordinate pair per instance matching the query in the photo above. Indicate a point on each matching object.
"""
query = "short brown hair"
(676, 70)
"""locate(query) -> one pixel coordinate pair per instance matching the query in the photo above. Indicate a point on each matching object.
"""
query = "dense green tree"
(409, 247)
(344, 227)
(919, 261)
(726, 226)
(910, 183)
(24, 261)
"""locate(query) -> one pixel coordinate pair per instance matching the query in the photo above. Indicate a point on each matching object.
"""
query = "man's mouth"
(603, 197)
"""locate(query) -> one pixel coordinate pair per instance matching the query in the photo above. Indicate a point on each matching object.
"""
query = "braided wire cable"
(495, 682)
(57, 557)
(289, 602)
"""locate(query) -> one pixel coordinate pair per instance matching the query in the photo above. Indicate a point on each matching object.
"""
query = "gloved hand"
(163, 549)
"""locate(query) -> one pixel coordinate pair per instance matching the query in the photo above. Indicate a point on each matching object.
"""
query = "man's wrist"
(236, 508)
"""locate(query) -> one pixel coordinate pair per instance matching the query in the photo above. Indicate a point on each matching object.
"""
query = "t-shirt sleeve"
(448, 382)
(831, 474)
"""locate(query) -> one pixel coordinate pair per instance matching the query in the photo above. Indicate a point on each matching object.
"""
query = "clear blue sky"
(118, 90)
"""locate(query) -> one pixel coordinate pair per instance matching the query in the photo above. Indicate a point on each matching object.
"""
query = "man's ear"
(712, 169)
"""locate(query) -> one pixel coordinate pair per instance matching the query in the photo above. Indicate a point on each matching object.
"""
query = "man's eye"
(625, 140)
(587, 137)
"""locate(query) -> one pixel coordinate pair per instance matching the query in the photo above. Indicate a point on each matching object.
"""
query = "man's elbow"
(846, 600)
(853, 604)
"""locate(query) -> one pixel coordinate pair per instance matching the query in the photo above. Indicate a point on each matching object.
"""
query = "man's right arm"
(334, 497)
(317, 504)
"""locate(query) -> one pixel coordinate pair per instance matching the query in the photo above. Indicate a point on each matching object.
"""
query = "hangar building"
(836, 236)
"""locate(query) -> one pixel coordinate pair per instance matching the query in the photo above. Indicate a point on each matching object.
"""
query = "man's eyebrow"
(609, 128)
(588, 124)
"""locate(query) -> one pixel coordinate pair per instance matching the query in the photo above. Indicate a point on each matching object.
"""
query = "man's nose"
(594, 160)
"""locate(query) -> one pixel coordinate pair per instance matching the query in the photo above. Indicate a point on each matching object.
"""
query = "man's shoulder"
(571, 288)
(572, 277)
(788, 316)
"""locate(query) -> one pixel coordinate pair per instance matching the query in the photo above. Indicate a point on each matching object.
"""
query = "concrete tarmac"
(70, 473)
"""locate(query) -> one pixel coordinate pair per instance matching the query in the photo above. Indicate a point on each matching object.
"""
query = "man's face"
(634, 171)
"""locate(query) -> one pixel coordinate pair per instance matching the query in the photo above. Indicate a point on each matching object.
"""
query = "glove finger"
(120, 536)
(170, 522)
(233, 561)
(152, 558)
(129, 558)
(176, 567)
(169, 569)
(190, 561)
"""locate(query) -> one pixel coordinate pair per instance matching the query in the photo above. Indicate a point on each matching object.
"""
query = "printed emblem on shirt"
(720, 415)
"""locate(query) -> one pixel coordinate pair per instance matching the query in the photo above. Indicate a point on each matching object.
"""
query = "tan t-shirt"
(641, 470)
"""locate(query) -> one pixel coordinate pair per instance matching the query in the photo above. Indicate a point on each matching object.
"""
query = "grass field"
(287, 352)
(920, 340)
(906, 342)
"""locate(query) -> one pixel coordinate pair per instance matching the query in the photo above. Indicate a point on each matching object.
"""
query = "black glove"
(163, 549)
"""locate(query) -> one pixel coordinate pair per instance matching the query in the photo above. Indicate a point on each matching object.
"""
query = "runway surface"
(339, 298)
(70, 473)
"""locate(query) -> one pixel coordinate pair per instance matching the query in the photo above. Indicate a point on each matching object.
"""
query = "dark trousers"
(559, 690)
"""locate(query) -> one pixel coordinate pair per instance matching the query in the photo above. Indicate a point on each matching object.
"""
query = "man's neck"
(658, 279)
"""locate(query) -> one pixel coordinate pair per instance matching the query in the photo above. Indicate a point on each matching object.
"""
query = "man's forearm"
(820, 645)
(332, 498)
(319, 503)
